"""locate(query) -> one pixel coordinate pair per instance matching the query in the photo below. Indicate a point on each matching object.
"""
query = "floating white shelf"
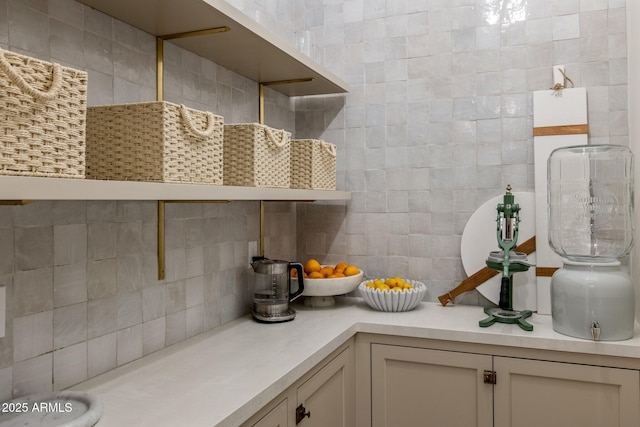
(248, 48)
(36, 188)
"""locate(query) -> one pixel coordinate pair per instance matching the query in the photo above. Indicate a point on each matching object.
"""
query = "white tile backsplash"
(471, 68)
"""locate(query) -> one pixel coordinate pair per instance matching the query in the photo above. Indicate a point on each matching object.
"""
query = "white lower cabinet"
(533, 393)
(413, 386)
(323, 397)
(328, 397)
(387, 381)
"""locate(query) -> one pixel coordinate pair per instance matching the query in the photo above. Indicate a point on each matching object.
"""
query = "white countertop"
(224, 376)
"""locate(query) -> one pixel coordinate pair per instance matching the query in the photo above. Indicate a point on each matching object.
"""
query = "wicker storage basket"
(154, 141)
(313, 164)
(43, 113)
(256, 155)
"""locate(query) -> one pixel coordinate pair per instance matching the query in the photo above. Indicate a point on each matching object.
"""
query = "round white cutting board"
(480, 237)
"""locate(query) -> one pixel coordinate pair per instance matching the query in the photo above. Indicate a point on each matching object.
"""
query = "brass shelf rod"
(15, 202)
(288, 81)
(196, 33)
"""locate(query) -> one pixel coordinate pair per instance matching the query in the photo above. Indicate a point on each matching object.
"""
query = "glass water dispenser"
(590, 207)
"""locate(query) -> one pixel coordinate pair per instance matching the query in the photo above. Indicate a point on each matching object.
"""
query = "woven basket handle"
(191, 126)
(331, 148)
(16, 78)
(283, 138)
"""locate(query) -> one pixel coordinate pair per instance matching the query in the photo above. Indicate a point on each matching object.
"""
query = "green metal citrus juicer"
(508, 262)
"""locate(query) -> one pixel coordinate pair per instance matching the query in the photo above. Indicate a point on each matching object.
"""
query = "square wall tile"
(101, 240)
(195, 320)
(176, 327)
(69, 284)
(101, 354)
(101, 210)
(194, 291)
(129, 309)
(6, 382)
(34, 247)
(129, 344)
(69, 366)
(175, 297)
(37, 214)
(32, 335)
(32, 291)
(153, 335)
(102, 315)
(102, 279)
(6, 249)
(70, 244)
(69, 212)
(33, 376)
(129, 272)
(69, 325)
(129, 238)
(153, 302)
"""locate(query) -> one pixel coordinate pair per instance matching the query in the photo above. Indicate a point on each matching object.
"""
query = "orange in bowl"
(351, 270)
(341, 266)
(311, 266)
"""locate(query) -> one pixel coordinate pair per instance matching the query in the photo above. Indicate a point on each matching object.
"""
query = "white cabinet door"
(329, 395)
(419, 387)
(277, 417)
(533, 393)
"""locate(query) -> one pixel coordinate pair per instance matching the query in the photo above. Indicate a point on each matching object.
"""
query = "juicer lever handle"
(504, 302)
(300, 272)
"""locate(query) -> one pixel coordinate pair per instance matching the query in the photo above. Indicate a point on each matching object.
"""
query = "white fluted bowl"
(404, 300)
